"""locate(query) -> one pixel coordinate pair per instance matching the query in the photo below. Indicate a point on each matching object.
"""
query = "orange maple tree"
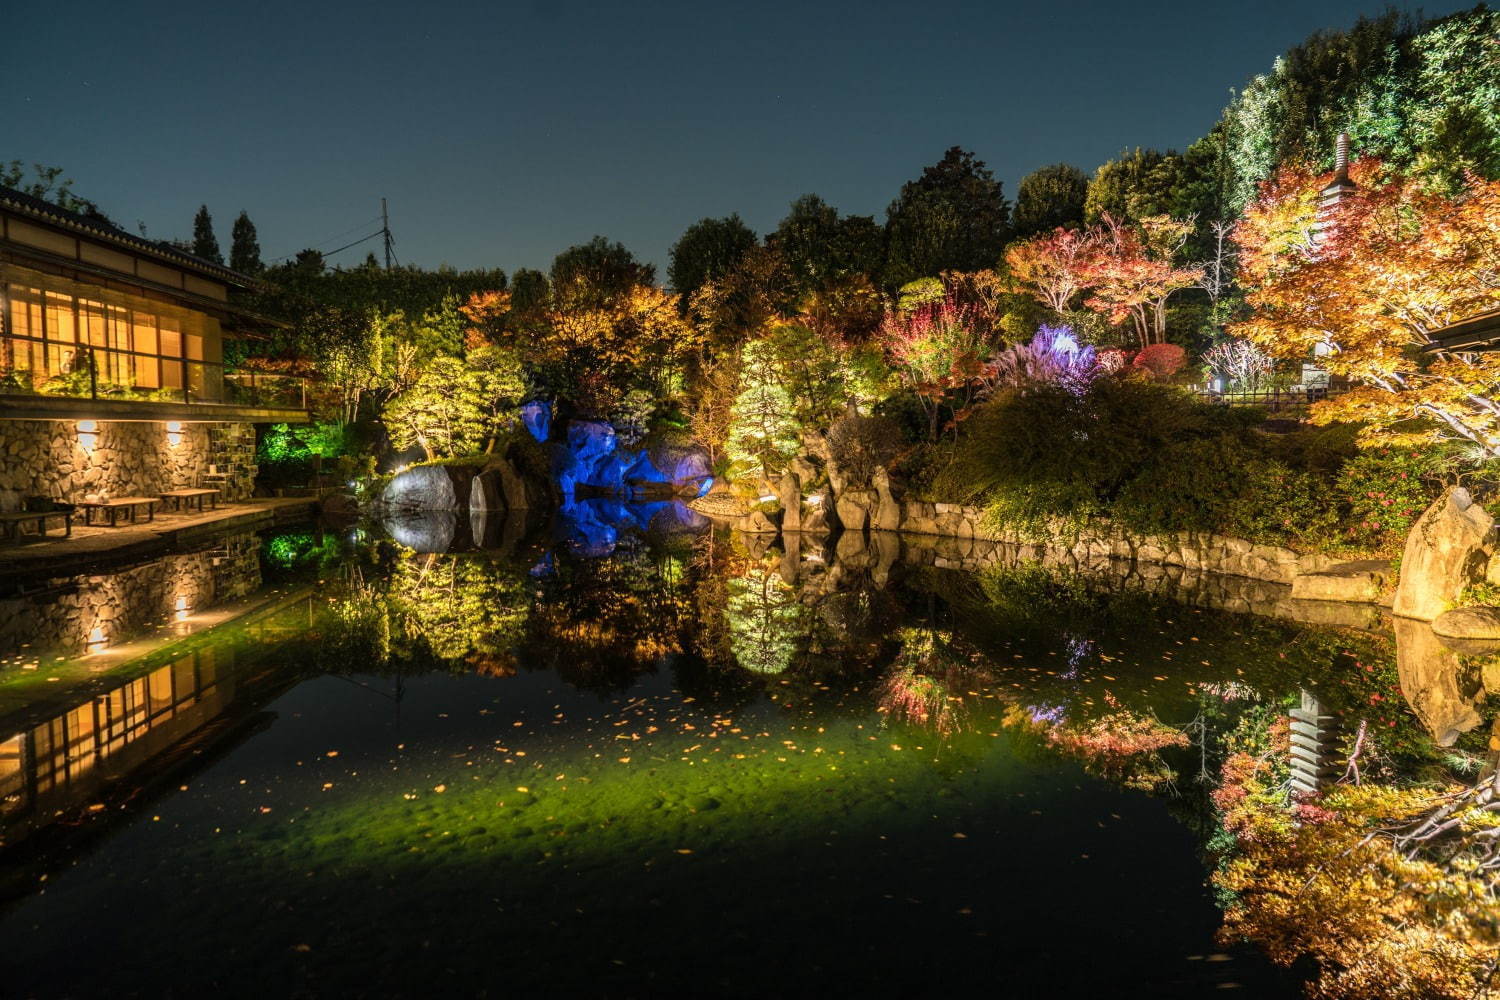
(1056, 265)
(1130, 270)
(1133, 275)
(1368, 281)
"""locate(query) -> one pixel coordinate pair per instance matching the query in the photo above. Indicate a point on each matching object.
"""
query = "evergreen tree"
(953, 217)
(708, 249)
(1049, 197)
(244, 248)
(205, 243)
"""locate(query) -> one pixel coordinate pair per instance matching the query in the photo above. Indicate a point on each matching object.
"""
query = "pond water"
(560, 758)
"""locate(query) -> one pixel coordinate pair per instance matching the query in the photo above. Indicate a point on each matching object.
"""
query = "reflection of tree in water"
(1392, 888)
(927, 684)
(765, 620)
(1120, 745)
(462, 609)
(602, 622)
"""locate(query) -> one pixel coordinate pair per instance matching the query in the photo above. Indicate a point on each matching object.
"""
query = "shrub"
(1387, 489)
(859, 444)
(1161, 361)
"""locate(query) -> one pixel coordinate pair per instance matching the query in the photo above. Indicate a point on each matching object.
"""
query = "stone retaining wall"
(1221, 555)
(52, 458)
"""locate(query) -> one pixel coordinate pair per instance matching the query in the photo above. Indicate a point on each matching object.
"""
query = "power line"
(356, 243)
(324, 243)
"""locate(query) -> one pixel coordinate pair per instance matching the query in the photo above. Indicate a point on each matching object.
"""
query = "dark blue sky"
(504, 132)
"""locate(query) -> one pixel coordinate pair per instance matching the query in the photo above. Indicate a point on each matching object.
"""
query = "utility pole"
(385, 229)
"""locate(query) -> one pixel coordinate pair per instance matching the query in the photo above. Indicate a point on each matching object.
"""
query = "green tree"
(529, 290)
(244, 246)
(820, 247)
(1136, 184)
(708, 249)
(45, 184)
(1049, 197)
(764, 434)
(205, 243)
(952, 218)
(457, 406)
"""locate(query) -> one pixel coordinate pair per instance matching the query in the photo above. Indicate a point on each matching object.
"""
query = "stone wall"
(1206, 553)
(125, 458)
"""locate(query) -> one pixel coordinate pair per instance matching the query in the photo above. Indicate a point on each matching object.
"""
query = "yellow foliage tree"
(1369, 280)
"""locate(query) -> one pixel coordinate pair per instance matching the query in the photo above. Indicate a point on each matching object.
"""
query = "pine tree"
(244, 247)
(205, 243)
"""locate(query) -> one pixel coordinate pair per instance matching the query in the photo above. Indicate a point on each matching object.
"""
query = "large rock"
(887, 515)
(853, 509)
(430, 487)
(755, 523)
(1363, 580)
(1468, 623)
(789, 491)
(1446, 551)
(485, 494)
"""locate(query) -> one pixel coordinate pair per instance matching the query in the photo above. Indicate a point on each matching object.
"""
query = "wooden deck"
(90, 545)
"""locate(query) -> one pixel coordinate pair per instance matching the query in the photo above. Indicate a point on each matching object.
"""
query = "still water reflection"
(506, 758)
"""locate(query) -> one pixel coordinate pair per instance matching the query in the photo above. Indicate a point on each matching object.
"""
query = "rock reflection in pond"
(1443, 688)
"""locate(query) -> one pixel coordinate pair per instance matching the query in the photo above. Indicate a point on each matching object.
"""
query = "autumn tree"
(1367, 282)
(1132, 273)
(711, 406)
(744, 302)
(1055, 267)
(938, 355)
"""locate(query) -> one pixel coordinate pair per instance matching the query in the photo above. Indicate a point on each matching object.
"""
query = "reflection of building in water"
(66, 758)
(67, 761)
(81, 614)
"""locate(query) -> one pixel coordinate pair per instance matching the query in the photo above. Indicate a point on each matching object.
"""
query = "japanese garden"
(1087, 586)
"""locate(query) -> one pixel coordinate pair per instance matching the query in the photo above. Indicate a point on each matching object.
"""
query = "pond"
(627, 754)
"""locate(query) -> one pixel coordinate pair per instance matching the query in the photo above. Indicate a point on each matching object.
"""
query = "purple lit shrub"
(1052, 357)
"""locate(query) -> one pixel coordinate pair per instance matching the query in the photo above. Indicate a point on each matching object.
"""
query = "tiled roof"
(106, 232)
(1477, 333)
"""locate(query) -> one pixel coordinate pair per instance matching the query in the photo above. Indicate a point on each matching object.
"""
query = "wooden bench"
(186, 496)
(117, 504)
(10, 524)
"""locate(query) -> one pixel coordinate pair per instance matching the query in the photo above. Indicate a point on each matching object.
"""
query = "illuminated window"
(53, 341)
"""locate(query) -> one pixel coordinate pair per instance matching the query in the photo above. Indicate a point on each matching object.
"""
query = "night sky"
(504, 132)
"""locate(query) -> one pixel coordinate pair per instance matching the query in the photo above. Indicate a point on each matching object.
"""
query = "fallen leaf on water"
(440, 789)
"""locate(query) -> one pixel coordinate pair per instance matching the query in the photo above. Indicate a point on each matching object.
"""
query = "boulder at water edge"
(1446, 551)
(430, 487)
(1468, 623)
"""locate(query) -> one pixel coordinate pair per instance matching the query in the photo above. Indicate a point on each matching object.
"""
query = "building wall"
(54, 458)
